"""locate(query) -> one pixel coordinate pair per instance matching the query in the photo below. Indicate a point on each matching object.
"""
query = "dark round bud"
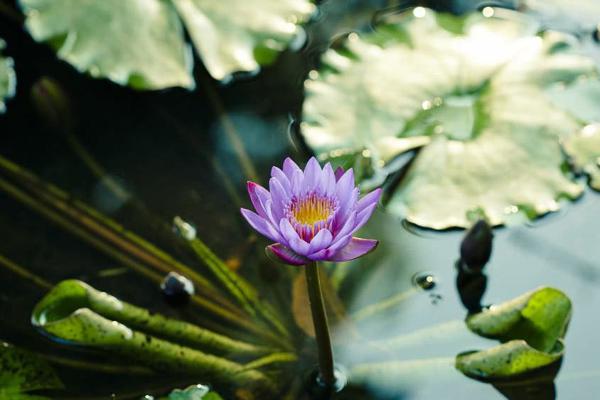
(476, 247)
(177, 289)
(52, 104)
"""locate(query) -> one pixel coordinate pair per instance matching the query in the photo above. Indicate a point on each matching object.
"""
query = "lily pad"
(141, 43)
(473, 93)
(7, 78)
(584, 150)
(531, 328)
(22, 372)
(507, 360)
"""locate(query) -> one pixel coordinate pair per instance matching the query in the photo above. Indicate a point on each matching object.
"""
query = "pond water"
(170, 154)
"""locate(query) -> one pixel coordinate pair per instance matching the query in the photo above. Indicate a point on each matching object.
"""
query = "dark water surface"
(171, 153)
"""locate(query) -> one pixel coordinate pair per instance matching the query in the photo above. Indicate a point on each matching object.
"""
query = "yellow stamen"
(311, 210)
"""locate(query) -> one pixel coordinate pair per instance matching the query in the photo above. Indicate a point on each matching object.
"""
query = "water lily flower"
(311, 214)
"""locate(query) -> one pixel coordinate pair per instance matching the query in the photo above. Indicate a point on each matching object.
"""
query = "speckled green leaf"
(241, 35)
(7, 78)
(70, 303)
(507, 360)
(22, 372)
(584, 150)
(475, 93)
(540, 317)
(141, 42)
(531, 328)
(75, 313)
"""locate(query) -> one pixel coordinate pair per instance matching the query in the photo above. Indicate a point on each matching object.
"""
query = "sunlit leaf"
(141, 43)
(474, 93)
(510, 359)
(7, 78)
(241, 35)
(22, 372)
(584, 150)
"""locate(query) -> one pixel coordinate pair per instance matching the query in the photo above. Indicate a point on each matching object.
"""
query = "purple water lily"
(311, 214)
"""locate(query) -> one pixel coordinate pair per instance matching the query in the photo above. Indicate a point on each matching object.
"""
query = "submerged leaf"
(507, 360)
(7, 78)
(584, 150)
(21, 372)
(478, 89)
(141, 43)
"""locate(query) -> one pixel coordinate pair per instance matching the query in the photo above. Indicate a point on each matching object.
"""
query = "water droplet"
(353, 37)
(424, 280)
(426, 105)
(487, 12)
(366, 153)
(313, 74)
(419, 12)
(177, 289)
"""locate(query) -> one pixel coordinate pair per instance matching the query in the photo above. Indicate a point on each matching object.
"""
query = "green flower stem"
(317, 307)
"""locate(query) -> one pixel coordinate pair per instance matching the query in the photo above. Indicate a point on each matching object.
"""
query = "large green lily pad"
(474, 93)
(531, 328)
(141, 42)
(7, 78)
(584, 149)
(22, 372)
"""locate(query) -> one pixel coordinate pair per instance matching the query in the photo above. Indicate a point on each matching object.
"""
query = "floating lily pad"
(473, 93)
(531, 328)
(584, 150)
(507, 360)
(141, 42)
(22, 372)
(7, 78)
(540, 317)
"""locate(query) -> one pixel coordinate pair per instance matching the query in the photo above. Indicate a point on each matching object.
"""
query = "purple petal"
(261, 225)
(356, 248)
(368, 199)
(339, 171)
(312, 174)
(286, 255)
(347, 228)
(257, 195)
(280, 198)
(283, 179)
(327, 183)
(290, 167)
(347, 204)
(363, 216)
(291, 237)
(321, 240)
(297, 179)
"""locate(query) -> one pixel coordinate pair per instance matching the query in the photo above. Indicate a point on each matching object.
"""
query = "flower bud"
(476, 247)
(177, 289)
(52, 104)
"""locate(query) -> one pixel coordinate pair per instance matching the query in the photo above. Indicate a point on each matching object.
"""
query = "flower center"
(311, 209)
